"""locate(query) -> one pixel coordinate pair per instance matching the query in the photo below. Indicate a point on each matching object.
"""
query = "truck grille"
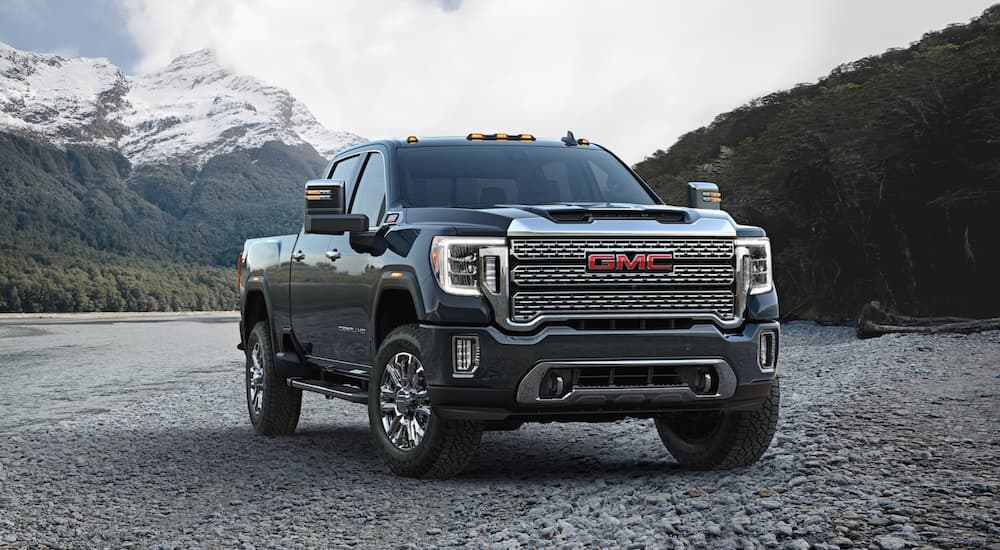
(549, 278)
(556, 275)
(556, 249)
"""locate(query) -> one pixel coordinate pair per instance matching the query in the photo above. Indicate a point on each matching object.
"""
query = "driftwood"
(875, 321)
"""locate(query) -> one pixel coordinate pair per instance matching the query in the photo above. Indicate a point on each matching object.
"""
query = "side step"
(339, 391)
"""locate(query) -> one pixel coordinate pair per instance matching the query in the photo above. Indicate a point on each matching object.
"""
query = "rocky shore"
(885, 443)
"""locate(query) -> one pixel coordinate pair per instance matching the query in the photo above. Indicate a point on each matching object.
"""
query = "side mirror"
(702, 194)
(324, 209)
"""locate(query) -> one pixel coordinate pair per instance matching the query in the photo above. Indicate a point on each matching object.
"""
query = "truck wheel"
(274, 407)
(720, 440)
(413, 440)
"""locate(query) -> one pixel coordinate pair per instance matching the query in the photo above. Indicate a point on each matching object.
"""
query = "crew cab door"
(352, 291)
(313, 275)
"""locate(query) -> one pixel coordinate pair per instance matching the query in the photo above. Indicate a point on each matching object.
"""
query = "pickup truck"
(462, 284)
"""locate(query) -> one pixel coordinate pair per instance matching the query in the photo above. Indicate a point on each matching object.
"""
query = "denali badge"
(636, 261)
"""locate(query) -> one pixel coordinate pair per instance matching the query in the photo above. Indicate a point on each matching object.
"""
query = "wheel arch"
(397, 302)
(256, 307)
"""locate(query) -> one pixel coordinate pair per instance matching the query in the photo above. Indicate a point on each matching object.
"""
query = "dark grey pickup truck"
(456, 285)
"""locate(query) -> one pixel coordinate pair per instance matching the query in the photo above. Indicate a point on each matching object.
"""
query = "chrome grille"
(549, 279)
(561, 275)
(528, 305)
(577, 248)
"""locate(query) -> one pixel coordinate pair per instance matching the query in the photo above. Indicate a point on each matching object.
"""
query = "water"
(52, 370)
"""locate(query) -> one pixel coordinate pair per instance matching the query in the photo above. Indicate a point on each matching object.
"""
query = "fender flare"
(396, 277)
(258, 283)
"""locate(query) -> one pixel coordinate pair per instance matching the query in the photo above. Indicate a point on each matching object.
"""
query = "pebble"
(183, 469)
(889, 542)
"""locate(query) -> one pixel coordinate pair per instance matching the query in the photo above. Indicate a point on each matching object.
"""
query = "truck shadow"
(334, 454)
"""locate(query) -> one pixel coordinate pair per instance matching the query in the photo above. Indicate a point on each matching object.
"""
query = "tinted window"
(370, 196)
(487, 175)
(343, 170)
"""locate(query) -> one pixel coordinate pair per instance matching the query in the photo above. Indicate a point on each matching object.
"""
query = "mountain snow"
(189, 112)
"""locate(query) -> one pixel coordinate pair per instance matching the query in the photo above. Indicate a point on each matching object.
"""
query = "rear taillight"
(239, 273)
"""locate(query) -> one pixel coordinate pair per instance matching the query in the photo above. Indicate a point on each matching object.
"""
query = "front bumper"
(505, 385)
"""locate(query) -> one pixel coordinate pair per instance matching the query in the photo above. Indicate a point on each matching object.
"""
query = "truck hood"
(592, 219)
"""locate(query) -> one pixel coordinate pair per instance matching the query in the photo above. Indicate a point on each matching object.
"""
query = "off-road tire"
(447, 445)
(721, 440)
(281, 405)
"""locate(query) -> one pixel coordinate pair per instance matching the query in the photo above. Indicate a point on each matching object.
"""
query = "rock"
(889, 542)
(783, 529)
(165, 470)
(770, 504)
(799, 480)
(842, 542)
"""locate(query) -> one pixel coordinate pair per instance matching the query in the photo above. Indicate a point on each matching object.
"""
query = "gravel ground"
(884, 443)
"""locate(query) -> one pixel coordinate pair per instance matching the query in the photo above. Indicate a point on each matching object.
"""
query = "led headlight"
(455, 261)
(757, 264)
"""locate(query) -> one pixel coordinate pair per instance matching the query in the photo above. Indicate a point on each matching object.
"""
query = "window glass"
(343, 170)
(488, 175)
(369, 199)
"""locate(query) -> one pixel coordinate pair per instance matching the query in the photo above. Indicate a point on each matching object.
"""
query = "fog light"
(767, 350)
(555, 385)
(466, 354)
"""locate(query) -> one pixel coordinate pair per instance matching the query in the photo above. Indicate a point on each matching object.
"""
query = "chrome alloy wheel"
(255, 379)
(405, 405)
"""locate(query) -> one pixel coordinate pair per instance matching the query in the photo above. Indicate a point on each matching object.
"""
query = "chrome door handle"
(299, 256)
(333, 255)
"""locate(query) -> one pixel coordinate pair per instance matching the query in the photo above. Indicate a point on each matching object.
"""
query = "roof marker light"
(411, 139)
(476, 136)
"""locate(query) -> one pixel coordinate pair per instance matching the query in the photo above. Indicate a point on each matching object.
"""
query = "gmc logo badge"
(621, 261)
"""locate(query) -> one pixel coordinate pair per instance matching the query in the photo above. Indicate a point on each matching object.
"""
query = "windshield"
(489, 175)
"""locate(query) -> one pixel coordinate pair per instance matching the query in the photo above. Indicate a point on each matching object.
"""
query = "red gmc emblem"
(636, 261)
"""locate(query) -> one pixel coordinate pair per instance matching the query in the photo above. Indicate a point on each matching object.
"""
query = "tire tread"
(740, 442)
(279, 414)
(453, 442)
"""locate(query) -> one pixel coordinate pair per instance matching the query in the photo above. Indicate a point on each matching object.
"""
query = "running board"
(339, 391)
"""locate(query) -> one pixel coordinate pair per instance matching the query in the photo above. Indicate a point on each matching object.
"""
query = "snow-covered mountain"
(190, 111)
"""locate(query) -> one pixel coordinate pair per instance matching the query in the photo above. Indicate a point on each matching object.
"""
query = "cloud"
(631, 75)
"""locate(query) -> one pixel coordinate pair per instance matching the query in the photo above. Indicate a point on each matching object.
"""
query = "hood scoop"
(563, 214)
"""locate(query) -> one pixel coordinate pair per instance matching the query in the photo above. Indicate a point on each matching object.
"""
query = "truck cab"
(456, 285)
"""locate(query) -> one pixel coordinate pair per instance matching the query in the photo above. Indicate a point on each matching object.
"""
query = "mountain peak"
(200, 58)
(187, 112)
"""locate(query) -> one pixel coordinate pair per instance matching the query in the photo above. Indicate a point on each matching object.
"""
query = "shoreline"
(116, 316)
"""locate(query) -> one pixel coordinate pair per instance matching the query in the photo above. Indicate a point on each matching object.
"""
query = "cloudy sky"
(632, 75)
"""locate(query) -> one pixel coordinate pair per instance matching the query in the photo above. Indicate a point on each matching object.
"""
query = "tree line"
(878, 182)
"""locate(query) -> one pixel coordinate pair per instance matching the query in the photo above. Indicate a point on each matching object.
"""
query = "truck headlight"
(455, 261)
(757, 264)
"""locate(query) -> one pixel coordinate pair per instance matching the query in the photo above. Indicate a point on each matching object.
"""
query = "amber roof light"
(500, 136)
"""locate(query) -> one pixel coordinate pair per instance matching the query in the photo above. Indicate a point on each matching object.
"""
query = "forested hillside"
(123, 192)
(881, 181)
(81, 230)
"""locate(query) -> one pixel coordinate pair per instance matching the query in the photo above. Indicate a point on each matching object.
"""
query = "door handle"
(299, 256)
(333, 255)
